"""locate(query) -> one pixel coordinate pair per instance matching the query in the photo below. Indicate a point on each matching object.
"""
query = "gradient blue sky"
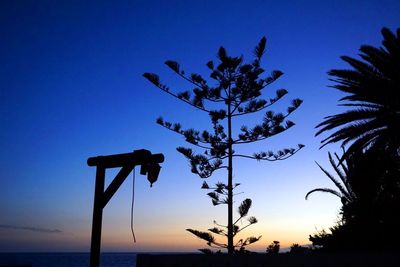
(71, 88)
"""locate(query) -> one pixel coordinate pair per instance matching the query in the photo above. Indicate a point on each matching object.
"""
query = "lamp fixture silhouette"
(152, 170)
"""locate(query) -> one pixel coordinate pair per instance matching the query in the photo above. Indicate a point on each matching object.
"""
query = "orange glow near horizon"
(184, 242)
(179, 240)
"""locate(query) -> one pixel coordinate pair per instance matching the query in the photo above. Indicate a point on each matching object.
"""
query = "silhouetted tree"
(369, 210)
(357, 183)
(372, 89)
(237, 92)
(273, 248)
(344, 190)
(370, 179)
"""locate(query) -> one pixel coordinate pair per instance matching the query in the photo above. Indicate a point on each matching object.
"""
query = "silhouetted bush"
(297, 249)
(273, 248)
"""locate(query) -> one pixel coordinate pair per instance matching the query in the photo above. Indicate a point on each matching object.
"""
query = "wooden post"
(127, 162)
(97, 217)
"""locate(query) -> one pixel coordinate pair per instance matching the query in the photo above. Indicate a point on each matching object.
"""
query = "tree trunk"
(230, 182)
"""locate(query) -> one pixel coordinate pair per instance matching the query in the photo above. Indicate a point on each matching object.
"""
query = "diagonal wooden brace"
(127, 163)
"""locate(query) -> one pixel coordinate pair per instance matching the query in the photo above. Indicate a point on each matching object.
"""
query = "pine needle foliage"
(236, 90)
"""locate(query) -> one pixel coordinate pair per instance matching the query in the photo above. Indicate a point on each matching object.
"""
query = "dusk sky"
(71, 87)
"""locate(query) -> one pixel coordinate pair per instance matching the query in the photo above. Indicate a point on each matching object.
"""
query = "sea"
(66, 259)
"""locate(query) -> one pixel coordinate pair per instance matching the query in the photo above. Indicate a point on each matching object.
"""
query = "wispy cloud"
(32, 229)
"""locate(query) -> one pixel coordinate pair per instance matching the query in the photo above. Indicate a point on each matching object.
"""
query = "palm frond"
(371, 87)
(343, 191)
(324, 190)
(341, 174)
(349, 116)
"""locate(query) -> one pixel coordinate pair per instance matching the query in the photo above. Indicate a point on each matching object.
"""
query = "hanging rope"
(133, 201)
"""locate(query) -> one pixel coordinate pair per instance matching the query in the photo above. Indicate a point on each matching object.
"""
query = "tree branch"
(197, 139)
(249, 112)
(220, 225)
(202, 87)
(241, 229)
(283, 157)
(238, 142)
(182, 99)
(217, 245)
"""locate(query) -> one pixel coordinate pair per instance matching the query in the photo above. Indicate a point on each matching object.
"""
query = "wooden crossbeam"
(127, 163)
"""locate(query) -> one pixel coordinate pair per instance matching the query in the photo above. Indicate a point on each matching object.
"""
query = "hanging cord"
(133, 201)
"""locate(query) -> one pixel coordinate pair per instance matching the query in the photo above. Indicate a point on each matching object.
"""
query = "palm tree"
(344, 190)
(343, 187)
(358, 184)
(372, 90)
